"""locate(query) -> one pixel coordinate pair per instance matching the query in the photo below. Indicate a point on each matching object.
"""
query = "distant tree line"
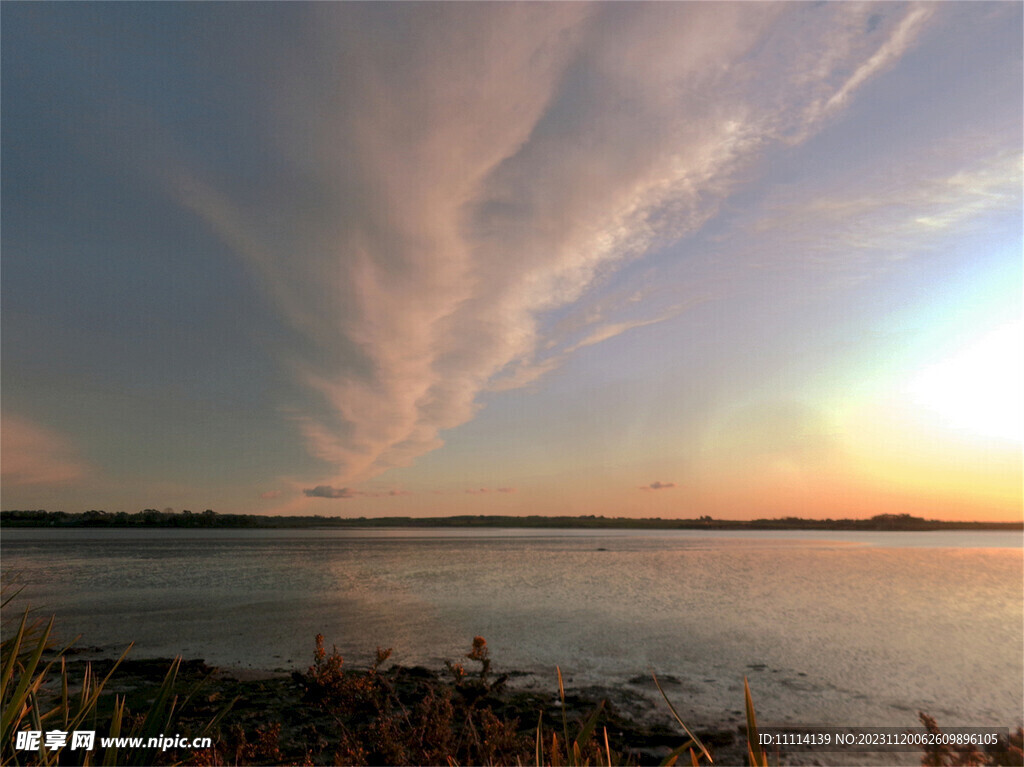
(144, 518)
(211, 519)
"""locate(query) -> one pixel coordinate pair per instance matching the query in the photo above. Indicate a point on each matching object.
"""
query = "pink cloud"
(270, 494)
(37, 455)
(506, 489)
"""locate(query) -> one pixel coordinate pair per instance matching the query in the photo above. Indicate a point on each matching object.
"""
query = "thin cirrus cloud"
(523, 372)
(918, 202)
(465, 194)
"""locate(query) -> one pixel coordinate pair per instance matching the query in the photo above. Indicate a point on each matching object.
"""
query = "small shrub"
(429, 723)
(480, 654)
(264, 749)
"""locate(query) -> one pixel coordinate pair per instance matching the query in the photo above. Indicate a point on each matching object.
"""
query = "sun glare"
(980, 388)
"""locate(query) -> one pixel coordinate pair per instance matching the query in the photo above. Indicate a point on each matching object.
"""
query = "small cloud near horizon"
(478, 492)
(326, 491)
(506, 490)
(269, 494)
(658, 486)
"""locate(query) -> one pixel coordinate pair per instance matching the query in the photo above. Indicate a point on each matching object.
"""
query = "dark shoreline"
(209, 519)
(278, 718)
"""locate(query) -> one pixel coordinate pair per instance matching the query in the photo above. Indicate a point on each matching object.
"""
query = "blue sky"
(375, 259)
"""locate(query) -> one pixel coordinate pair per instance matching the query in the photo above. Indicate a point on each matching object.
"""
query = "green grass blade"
(7, 597)
(37, 724)
(214, 723)
(540, 744)
(7, 674)
(29, 680)
(116, 720)
(673, 757)
(88, 703)
(588, 726)
(682, 724)
(65, 708)
(565, 722)
(159, 718)
(753, 741)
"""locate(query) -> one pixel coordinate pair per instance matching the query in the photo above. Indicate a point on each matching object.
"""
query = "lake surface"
(830, 627)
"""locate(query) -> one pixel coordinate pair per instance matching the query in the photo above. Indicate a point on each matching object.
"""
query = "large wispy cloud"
(454, 172)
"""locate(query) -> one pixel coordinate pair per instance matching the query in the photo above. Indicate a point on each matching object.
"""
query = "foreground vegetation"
(211, 519)
(333, 715)
(327, 715)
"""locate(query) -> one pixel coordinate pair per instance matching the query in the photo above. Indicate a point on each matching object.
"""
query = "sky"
(626, 259)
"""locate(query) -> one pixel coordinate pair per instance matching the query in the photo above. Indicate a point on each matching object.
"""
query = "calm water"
(839, 628)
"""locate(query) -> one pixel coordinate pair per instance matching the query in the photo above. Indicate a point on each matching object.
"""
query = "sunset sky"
(373, 259)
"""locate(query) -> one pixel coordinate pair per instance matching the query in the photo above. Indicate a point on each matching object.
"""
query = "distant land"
(211, 519)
